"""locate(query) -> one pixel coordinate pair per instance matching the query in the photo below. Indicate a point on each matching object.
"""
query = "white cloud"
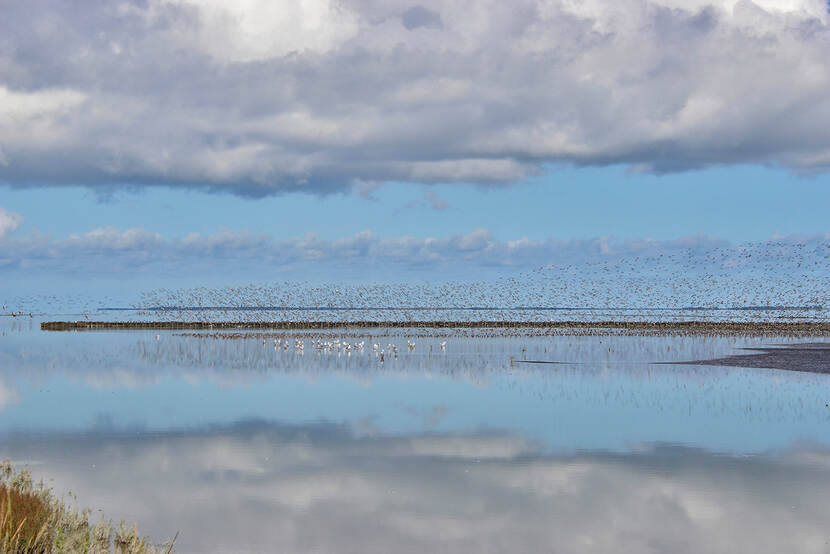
(18, 107)
(109, 238)
(261, 97)
(9, 222)
(36, 120)
(250, 30)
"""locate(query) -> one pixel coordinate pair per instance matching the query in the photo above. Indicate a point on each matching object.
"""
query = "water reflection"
(258, 486)
(247, 445)
(605, 393)
(466, 353)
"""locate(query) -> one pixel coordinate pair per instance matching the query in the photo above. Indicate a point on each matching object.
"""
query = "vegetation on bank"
(34, 520)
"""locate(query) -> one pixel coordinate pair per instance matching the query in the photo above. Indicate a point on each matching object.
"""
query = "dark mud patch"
(811, 357)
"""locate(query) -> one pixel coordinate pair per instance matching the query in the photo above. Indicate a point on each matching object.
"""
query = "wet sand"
(812, 357)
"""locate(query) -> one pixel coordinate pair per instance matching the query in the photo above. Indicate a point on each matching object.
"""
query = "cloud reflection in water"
(259, 486)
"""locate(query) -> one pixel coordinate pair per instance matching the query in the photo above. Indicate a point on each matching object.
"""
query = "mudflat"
(811, 357)
(743, 328)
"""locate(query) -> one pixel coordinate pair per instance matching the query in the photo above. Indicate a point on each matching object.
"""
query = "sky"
(445, 137)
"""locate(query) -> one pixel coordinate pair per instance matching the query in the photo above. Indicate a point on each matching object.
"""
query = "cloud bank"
(459, 270)
(111, 250)
(260, 97)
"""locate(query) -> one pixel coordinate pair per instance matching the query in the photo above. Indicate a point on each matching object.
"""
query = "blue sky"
(143, 239)
(737, 203)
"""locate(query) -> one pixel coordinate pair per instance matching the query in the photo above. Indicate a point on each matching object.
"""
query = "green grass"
(34, 520)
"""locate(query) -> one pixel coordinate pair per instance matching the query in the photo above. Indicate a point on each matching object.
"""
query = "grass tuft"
(34, 520)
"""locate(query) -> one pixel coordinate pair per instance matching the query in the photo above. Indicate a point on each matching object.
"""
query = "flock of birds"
(246, 350)
(340, 347)
(756, 281)
(18, 313)
(760, 281)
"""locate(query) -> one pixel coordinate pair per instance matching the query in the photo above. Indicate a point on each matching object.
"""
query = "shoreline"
(801, 328)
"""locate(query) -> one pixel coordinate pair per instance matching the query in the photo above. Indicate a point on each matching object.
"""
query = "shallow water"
(244, 445)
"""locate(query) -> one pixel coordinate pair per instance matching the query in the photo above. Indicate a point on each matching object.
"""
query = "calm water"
(247, 445)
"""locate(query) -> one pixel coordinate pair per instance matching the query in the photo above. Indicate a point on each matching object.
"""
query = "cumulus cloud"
(252, 30)
(261, 97)
(320, 488)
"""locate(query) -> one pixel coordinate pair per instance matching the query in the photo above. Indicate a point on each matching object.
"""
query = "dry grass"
(23, 518)
(33, 520)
